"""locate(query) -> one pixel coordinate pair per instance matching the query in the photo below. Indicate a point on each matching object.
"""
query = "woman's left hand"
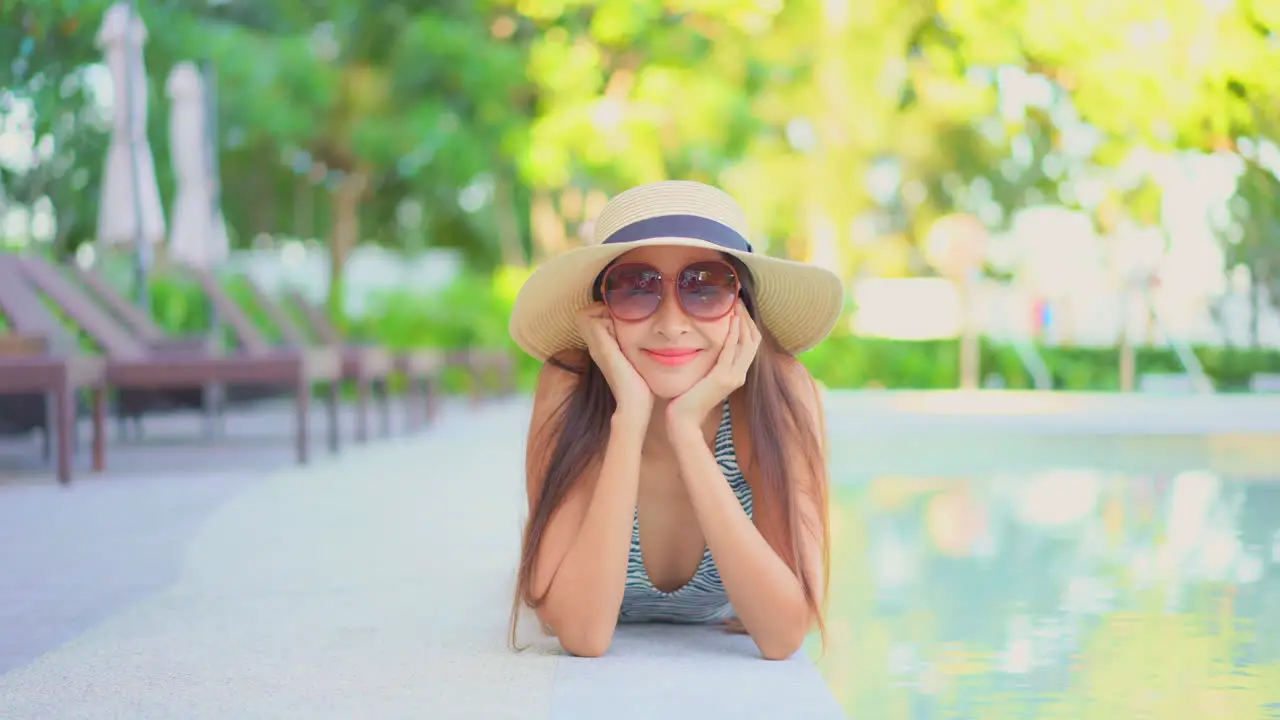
(728, 374)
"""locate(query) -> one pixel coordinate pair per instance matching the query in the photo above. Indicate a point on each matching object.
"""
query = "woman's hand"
(728, 374)
(630, 391)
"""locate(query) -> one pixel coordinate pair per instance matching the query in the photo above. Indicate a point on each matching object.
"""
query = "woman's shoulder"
(557, 379)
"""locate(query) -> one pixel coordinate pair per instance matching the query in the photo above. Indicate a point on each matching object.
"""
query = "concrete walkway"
(1022, 413)
(376, 584)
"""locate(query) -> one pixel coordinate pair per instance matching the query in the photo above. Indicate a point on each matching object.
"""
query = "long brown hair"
(779, 421)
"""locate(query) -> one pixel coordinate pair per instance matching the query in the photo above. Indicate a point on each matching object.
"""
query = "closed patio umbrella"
(198, 235)
(130, 208)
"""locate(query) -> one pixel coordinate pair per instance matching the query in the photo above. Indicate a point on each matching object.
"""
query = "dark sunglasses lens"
(707, 290)
(632, 292)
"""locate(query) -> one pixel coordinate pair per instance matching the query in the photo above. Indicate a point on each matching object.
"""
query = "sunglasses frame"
(666, 281)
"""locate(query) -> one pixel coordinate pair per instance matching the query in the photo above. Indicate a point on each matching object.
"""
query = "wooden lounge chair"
(132, 364)
(132, 404)
(30, 373)
(492, 372)
(421, 367)
(369, 367)
(212, 399)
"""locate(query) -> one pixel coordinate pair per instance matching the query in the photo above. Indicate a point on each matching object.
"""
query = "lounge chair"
(30, 372)
(133, 404)
(213, 399)
(493, 372)
(368, 367)
(132, 364)
(420, 366)
(489, 370)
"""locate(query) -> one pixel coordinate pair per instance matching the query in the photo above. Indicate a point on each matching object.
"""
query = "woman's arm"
(582, 563)
(767, 596)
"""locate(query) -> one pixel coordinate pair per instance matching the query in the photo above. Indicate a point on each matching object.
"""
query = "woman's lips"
(672, 357)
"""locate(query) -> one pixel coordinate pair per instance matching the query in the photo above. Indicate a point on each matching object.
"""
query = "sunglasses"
(706, 290)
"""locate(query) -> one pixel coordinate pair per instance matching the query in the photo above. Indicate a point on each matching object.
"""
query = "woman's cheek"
(718, 334)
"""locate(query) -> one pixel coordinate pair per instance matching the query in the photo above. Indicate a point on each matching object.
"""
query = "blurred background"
(1071, 195)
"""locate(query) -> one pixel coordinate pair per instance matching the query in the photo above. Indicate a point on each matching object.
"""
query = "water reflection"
(1060, 594)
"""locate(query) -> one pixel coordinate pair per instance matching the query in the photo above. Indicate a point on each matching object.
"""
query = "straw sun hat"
(799, 303)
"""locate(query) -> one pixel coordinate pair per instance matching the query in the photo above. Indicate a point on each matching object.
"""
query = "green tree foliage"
(836, 122)
(47, 99)
(386, 100)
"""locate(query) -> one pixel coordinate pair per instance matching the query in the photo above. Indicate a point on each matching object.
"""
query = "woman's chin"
(669, 388)
(668, 382)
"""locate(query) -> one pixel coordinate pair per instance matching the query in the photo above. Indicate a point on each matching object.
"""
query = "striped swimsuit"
(703, 598)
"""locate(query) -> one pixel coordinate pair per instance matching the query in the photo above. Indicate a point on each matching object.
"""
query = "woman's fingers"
(748, 343)
(729, 353)
(589, 317)
(596, 327)
(596, 333)
(594, 311)
(753, 332)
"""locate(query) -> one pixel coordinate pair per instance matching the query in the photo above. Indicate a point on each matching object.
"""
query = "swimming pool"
(982, 574)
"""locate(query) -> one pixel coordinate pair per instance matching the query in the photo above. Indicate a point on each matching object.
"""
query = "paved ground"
(1021, 413)
(957, 433)
(373, 584)
(253, 437)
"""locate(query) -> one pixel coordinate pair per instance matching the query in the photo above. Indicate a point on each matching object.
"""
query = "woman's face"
(670, 349)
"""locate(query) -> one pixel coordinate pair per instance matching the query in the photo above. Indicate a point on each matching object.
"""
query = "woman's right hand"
(630, 391)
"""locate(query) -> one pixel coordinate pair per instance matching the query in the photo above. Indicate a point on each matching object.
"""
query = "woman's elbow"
(784, 643)
(581, 636)
(780, 648)
(587, 642)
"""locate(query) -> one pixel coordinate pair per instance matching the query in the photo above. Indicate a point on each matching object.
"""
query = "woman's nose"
(670, 320)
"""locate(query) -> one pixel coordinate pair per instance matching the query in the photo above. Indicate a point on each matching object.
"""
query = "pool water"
(1082, 588)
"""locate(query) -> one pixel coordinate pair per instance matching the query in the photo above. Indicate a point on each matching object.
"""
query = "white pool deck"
(376, 583)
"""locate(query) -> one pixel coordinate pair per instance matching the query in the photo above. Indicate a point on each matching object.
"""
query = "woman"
(676, 462)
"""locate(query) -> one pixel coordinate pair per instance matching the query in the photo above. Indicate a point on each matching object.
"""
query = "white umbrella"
(126, 196)
(199, 234)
